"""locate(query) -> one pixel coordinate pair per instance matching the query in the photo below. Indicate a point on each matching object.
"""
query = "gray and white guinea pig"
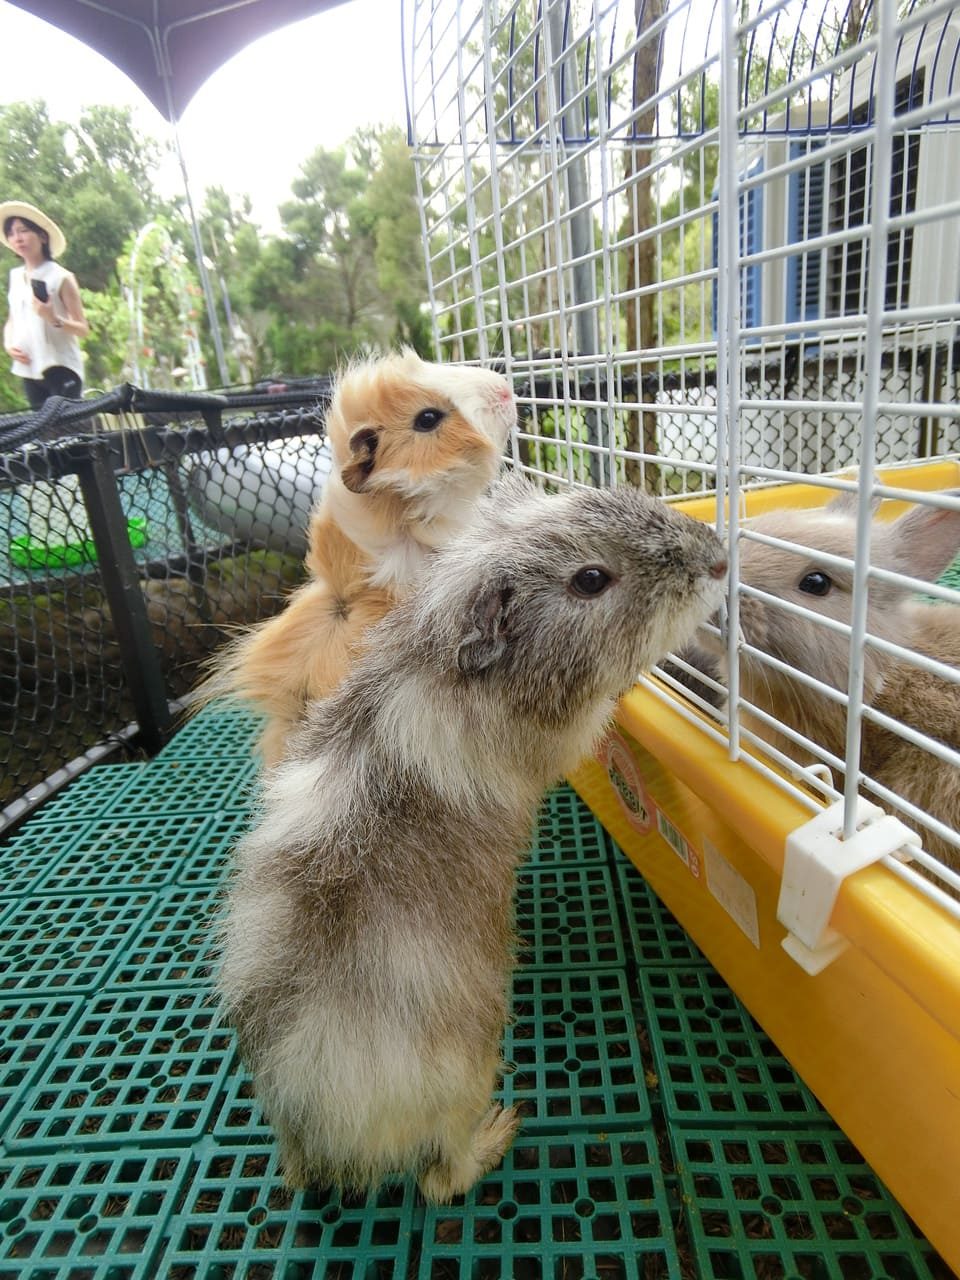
(366, 942)
(414, 446)
(920, 543)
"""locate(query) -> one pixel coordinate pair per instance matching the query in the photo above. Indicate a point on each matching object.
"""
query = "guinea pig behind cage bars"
(414, 444)
(921, 544)
(367, 938)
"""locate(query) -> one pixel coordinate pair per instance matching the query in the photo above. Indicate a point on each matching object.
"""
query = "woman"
(46, 319)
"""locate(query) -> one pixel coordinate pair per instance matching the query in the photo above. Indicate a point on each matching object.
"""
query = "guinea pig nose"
(718, 569)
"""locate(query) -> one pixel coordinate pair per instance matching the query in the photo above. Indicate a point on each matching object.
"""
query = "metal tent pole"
(198, 244)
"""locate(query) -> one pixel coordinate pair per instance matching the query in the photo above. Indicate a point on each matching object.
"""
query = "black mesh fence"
(135, 531)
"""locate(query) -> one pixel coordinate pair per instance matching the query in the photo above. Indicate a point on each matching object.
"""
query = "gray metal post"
(577, 186)
(198, 244)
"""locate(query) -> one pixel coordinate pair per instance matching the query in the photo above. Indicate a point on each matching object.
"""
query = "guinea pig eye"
(816, 583)
(428, 419)
(590, 581)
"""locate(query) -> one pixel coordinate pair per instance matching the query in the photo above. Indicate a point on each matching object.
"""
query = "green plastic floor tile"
(89, 796)
(239, 1118)
(143, 1068)
(579, 1205)
(121, 852)
(133, 1149)
(714, 1063)
(190, 786)
(566, 831)
(29, 1030)
(567, 918)
(66, 942)
(174, 944)
(28, 855)
(93, 854)
(777, 1204)
(71, 1216)
(217, 732)
(238, 1221)
(209, 861)
(656, 938)
(159, 788)
(572, 1055)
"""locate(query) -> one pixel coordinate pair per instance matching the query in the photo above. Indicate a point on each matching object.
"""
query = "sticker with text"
(733, 892)
(626, 781)
(680, 845)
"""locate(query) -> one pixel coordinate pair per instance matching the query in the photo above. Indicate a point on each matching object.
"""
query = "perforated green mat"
(663, 1135)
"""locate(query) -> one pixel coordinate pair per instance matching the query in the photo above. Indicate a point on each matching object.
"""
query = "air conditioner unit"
(786, 210)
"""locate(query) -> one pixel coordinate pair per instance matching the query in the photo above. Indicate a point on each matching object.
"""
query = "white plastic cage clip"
(817, 862)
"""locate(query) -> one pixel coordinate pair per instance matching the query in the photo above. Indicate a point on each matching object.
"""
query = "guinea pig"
(366, 942)
(920, 543)
(414, 445)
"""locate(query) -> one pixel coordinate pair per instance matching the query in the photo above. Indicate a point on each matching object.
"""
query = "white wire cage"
(717, 249)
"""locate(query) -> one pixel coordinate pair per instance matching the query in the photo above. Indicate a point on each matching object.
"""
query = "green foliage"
(394, 207)
(12, 398)
(94, 178)
(346, 273)
(354, 229)
(106, 347)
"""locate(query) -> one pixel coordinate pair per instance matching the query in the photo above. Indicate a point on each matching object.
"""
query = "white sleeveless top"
(45, 345)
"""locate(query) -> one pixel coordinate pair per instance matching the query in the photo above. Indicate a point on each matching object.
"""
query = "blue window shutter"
(804, 221)
(751, 241)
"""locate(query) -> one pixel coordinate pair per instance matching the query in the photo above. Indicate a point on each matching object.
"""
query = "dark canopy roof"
(186, 40)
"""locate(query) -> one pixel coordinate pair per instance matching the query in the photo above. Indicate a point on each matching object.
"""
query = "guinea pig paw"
(494, 1135)
(454, 1174)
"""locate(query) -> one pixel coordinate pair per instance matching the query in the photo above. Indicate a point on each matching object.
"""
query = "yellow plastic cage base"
(875, 1035)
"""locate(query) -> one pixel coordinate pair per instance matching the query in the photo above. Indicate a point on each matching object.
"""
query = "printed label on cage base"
(733, 892)
(680, 845)
(617, 759)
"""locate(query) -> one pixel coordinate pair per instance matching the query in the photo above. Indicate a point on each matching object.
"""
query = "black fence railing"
(136, 530)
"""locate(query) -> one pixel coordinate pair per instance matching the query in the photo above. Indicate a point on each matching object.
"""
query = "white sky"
(254, 122)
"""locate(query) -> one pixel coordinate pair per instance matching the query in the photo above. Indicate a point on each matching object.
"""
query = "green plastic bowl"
(29, 553)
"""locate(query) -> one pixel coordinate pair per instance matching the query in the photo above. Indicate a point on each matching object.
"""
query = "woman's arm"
(15, 353)
(73, 318)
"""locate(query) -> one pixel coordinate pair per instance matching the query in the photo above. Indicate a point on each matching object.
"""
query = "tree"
(641, 428)
(398, 253)
(95, 179)
(347, 272)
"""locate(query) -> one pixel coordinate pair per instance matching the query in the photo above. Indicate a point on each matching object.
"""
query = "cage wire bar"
(577, 165)
(716, 246)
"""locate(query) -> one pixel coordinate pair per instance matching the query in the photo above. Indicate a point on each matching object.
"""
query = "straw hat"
(17, 209)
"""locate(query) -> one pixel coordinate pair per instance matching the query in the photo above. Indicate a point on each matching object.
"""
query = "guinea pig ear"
(921, 543)
(486, 632)
(363, 456)
(847, 502)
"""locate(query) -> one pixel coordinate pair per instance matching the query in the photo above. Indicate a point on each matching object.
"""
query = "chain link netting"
(133, 540)
(799, 416)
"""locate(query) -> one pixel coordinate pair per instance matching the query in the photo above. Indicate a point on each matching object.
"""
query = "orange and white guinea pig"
(414, 445)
